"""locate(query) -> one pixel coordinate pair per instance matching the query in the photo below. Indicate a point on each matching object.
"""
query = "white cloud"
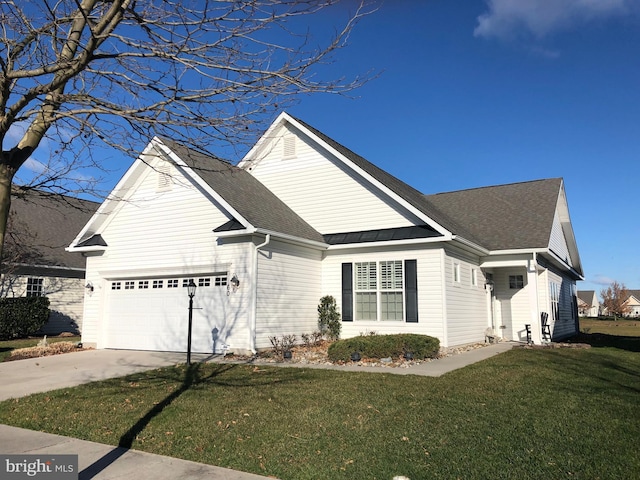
(600, 279)
(514, 18)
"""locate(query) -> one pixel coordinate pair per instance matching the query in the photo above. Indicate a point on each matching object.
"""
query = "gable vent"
(164, 177)
(289, 146)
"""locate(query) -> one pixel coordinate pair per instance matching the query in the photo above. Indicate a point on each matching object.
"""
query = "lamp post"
(191, 291)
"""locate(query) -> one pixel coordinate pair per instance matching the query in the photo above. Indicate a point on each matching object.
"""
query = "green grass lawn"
(7, 346)
(526, 414)
(621, 327)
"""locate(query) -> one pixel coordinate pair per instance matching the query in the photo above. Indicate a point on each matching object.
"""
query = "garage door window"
(215, 280)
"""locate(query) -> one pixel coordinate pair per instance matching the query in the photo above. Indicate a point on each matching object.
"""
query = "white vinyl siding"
(289, 279)
(65, 296)
(347, 202)
(466, 304)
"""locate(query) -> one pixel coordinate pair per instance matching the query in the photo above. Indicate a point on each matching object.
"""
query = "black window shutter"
(411, 289)
(347, 292)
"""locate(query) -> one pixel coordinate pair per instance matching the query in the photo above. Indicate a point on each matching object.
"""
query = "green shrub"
(329, 318)
(383, 346)
(22, 316)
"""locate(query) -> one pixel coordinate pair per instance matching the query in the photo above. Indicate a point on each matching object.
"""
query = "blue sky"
(474, 93)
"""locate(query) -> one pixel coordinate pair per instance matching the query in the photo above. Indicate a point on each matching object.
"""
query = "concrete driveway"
(35, 375)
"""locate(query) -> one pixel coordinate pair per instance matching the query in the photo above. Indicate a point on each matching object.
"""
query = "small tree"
(329, 318)
(614, 299)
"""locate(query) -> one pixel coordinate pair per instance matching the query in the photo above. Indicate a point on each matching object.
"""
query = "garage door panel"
(157, 318)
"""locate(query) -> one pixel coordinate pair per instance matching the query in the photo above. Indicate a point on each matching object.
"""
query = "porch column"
(532, 288)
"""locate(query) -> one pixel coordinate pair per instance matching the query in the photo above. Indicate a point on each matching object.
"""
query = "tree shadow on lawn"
(192, 378)
(630, 344)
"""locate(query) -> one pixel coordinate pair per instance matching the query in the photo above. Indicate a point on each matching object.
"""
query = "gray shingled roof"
(503, 217)
(245, 193)
(43, 224)
(635, 293)
(514, 216)
(586, 296)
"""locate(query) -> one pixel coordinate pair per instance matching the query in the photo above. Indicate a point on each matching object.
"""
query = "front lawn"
(527, 414)
(7, 346)
(608, 326)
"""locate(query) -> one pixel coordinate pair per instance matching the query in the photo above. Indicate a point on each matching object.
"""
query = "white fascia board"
(518, 251)
(497, 263)
(562, 264)
(276, 235)
(179, 271)
(188, 171)
(293, 239)
(49, 267)
(470, 244)
(92, 248)
(389, 243)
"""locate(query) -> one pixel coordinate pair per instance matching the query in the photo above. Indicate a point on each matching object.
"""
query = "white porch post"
(532, 288)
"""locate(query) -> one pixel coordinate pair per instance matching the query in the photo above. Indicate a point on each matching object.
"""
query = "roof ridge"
(493, 186)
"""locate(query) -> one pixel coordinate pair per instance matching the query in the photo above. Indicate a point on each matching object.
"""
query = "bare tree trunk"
(6, 176)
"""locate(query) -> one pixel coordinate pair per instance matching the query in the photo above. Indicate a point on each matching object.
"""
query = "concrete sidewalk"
(104, 462)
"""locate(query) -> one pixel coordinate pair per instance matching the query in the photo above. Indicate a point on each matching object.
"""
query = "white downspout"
(254, 312)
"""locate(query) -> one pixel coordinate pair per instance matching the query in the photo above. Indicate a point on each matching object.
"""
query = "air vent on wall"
(164, 176)
(289, 146)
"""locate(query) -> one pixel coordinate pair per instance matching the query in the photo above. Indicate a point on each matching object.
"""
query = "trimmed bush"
(383, 346)
(22, 316)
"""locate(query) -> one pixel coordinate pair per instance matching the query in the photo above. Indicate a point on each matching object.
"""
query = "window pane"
(391, 306)
(366, 306)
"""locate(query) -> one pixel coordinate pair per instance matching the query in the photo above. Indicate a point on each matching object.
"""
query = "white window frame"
(380, 280)
(474, 277)
(554, 298)
(456, 272)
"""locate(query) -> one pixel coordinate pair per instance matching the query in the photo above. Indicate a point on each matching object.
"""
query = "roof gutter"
(470, 244)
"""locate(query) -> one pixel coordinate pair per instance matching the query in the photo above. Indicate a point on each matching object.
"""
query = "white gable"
(320, 188)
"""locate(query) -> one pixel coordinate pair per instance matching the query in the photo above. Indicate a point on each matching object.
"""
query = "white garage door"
(152, 313)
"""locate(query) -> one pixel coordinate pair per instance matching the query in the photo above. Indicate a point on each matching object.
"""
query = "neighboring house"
(300, 217)
(588, 303)
(35, 262)
(633, 302)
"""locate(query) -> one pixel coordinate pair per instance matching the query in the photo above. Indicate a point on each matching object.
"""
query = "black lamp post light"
(191, 291)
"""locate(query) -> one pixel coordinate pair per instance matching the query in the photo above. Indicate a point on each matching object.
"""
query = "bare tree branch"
(79, 73)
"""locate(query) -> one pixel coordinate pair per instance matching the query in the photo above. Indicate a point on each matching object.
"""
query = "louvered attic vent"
(164, 177)
(289, 146)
